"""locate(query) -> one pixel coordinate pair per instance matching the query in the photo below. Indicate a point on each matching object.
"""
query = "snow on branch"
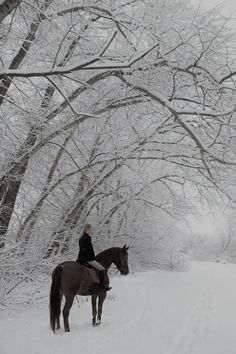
(100, 12)
(184, 124)
(84, 65)
(229, 76)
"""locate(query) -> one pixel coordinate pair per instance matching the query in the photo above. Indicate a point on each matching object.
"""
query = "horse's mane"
(108, 250)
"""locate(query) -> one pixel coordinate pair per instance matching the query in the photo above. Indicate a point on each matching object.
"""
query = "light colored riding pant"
(96, 265)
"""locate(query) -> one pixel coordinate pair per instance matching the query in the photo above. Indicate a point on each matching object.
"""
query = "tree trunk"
(19, 57)
(10, 184)
(7, 7)
(31, 219)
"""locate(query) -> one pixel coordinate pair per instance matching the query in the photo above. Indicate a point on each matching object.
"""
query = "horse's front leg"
(101, 299)
(94, 309)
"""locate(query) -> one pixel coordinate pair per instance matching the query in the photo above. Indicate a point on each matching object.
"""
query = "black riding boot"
(102, 277)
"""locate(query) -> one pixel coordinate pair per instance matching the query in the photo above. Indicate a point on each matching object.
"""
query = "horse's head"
(121, 260)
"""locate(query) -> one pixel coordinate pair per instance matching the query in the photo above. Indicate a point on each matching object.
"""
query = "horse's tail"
(55, 298)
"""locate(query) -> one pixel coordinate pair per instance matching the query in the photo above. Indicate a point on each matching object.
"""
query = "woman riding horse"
(71, 278)
(87, 256)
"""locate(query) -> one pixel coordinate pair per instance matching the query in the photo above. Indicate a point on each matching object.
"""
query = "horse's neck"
(105, 258)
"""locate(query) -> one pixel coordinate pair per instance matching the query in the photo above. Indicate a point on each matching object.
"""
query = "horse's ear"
(125, 247)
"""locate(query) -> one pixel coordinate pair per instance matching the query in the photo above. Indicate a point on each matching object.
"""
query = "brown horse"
(71, 278)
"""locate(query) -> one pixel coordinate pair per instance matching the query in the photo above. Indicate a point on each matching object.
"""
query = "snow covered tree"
(107, 111)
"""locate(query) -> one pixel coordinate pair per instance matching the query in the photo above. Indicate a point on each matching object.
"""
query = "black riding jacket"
(86, 252)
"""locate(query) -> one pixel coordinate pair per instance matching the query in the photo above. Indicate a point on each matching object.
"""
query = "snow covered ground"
(153, 312)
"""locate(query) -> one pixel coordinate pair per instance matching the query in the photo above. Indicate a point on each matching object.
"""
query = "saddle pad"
(93, 275)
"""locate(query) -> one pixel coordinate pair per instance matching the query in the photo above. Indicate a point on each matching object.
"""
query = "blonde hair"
(87, 227)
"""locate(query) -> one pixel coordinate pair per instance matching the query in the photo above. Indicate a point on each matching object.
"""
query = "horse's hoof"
(67, 330)
(95, 324)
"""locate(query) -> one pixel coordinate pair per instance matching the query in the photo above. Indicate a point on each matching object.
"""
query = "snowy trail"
(160, 312)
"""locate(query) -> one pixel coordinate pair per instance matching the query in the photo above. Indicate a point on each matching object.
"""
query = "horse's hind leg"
(66, 311)
(101, 299)
(94, 309)
(58, 318)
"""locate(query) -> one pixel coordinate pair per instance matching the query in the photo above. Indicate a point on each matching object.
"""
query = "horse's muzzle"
(124, 271)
